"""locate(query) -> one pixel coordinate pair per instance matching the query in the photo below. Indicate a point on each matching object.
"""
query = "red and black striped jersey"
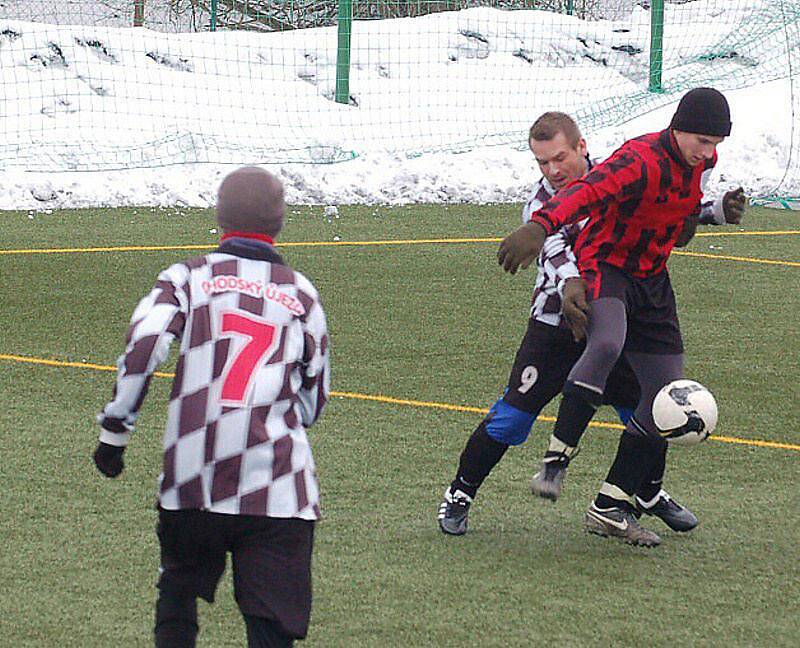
(637, 203)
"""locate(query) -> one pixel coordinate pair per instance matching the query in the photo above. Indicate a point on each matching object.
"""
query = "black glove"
(733, 205)
(108, 459)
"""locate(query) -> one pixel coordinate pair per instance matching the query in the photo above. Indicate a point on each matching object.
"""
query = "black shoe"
(453, 512)
(675, 516)
(547, 482)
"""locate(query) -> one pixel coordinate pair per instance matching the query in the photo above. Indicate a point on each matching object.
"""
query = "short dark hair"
(551, 124)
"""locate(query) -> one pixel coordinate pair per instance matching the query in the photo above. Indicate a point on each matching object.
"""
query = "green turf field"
(432, 322)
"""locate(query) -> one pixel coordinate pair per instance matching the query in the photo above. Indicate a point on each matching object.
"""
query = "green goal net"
(96, 85)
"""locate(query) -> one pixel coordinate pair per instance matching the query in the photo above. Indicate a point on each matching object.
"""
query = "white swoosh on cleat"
(622, 526)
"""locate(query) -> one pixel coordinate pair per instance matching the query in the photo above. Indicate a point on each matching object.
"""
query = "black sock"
(176, 620)
(574, 414)
(653, 480)
(634, 455)
(480, 455)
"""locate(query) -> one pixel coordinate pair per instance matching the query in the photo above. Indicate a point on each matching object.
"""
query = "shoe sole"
(597, 527)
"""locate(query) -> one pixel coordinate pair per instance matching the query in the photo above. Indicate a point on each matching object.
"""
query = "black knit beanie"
(703, 111)
(251, 200)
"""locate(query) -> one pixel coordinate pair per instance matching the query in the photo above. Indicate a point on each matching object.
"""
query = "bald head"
(251, 200)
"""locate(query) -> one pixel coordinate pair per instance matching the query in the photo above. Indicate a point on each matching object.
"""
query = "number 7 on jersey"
(261, 342)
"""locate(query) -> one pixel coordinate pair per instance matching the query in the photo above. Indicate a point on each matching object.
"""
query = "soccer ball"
(685, 412)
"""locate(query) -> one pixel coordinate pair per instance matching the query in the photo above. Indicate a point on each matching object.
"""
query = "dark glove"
(575, 308)
(521, 247)
(108, 459)
(733, 204)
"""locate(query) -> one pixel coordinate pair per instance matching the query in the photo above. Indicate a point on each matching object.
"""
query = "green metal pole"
(345, 21)
(656, 44)
(138, 13)
(570, 6)
(214, 15)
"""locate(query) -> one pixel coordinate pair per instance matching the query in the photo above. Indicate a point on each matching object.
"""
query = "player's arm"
(621, 179)
(539, 196)
(688, 231)
(557, 255)
(157, 320)
(315, 388)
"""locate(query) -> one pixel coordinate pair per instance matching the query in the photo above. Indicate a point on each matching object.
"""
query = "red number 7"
(262, 336)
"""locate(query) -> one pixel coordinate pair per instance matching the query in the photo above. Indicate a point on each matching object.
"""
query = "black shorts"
(543, 362)
(650, 305)
(271, 562)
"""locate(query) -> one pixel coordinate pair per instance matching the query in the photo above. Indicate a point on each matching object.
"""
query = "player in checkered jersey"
(638, 205)
(548, 350)
(253, 373)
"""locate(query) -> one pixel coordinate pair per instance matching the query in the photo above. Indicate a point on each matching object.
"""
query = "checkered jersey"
(252, 375)
(556, 262)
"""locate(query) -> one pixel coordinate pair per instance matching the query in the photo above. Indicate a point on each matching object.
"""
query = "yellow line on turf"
(761, 233)
(161, 248)
(397, 401)
(123, 248)
(74, 365)
(793, 264)
(288, 244)
(756, 442)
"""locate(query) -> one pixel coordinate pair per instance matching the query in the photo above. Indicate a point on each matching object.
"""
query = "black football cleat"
(453, 512)
(676, 517)
(547, 482)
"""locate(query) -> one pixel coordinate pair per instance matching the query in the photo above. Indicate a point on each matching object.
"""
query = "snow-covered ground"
(113, 99)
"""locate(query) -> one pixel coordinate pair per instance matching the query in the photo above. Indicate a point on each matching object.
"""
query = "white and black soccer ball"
(685, 412)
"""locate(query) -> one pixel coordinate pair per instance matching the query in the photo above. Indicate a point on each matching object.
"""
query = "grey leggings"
(605, 343)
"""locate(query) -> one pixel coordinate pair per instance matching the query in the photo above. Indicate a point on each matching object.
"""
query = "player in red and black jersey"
(641, 202)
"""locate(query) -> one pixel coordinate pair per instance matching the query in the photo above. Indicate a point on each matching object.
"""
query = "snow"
(105, 115)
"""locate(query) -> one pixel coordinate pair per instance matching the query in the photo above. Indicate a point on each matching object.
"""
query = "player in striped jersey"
(238, 475)
(548, 351)
(640, 203)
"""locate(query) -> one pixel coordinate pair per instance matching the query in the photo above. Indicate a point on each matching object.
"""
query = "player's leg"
(608, 294)
(176, 620)
(640, 451)
(586, 383)
(652, 499)
(192, 562)
(654, 349)
(265, 633)
(540, 368)
(623, 392)
(583, 391)
(272, 578)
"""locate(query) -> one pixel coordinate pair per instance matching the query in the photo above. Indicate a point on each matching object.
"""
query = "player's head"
(701, 122)
(559, 148)
(251, 200)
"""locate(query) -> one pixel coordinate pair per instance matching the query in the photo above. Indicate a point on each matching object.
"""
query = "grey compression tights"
(605, 339)
(605, 342)
(653, 372)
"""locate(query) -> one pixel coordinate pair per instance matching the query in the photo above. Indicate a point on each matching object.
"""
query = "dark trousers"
(271, 560)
